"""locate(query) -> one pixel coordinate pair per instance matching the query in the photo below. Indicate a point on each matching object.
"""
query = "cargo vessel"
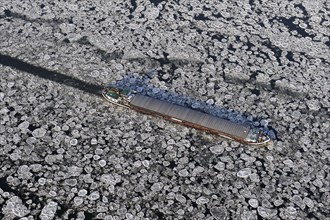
(186, 116)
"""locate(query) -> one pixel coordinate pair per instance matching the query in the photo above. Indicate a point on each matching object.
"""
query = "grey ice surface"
(68, 154)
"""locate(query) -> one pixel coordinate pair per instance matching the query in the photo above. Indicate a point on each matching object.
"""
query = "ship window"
(112, 94)
(252, 135)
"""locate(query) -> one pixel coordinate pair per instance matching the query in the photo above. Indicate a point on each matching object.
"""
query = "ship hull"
(198, 127)
(188, 117)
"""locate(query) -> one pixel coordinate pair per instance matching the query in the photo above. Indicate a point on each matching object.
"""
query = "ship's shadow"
(141, 84)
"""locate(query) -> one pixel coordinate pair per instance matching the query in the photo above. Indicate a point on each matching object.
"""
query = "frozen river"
(65, 153)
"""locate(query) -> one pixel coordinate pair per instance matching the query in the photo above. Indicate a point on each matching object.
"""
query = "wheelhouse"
(116, 96)
(257, 137)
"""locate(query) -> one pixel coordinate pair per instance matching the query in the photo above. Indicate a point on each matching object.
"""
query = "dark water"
(50, 75)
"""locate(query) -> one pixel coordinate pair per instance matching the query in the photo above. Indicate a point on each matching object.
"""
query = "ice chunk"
(71, 182)
(308, 202)
(288, 162)
(183, 173)
(254, 177)
(244, 173)
(78, 201)
(94, 195)
(152, 13)
(146, 163)
(98, 151)
(198, 169)
(217, 149)
(296, 114)
(264, 123)
(82, 192)
(181, 198)
(108, 179)
(210, 101)
(24, 125)
(75, 171)
(48, 212)
(157, 186)
(93, 141)
(155, 90)
(42, 181)
(253, 203)
(220, 166)
(313, 105)
(73, 142)
(291, 210)
(266, 213)
(129, 216)
(39, 132)
(299, 201)
(14, 208)
(219, 213)
(102, 163)
(202, 200)
(248, 215)
(24, 172)
(95, 73)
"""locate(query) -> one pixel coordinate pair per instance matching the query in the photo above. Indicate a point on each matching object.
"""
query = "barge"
(186, 116)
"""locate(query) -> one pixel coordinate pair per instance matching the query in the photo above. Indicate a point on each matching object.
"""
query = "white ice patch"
(48, 212)
(39, 132)
(202, 200)
(15, 208)
(152, 13)
(217, 149)
(244, 173)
